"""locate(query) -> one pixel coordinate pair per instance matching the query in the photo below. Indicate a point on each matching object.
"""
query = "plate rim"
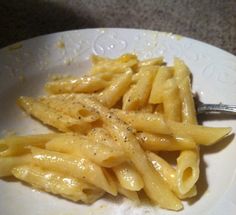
(125, 29)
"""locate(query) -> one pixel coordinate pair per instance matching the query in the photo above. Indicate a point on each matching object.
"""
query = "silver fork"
(215, 108)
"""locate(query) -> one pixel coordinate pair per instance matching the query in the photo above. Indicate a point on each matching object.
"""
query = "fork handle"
(216, 108)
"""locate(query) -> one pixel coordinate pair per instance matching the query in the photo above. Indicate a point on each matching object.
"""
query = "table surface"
(211, 21)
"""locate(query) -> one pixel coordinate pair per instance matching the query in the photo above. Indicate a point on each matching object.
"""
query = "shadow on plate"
(202, 184)
(219, 146)
(212, 117)
(10, 179)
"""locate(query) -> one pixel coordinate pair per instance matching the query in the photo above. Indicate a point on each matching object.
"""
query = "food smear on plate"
(112, 124)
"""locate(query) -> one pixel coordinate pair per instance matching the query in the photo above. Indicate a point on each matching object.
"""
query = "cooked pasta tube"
(188, 106)
(113, 68)
(154, 186)
(169, 175)
(182, 76)
(97, 59)
(128, 177)
(51, 117)
(187, 170)
(158, 142)
(67, 104)
(8, 163)
(102, 154)
(56, 183)
(85, 84)
(180, 69)
(75, 166)
(132, 195)
(152, 62)
(17, 145)
(138, 95)
(111, 150)
(166, 170)
(118, 65)
(200, 134)
(128, 97)
(171, 101)
(191, 193)
(124, 58)
(163, 74)
(188, 160)
(113, 93)
(101, 135)
(155, 123)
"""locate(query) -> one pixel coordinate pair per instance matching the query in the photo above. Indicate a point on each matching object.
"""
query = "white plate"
(25, 66)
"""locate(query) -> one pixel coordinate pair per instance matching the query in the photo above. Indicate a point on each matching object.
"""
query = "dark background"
(212, 21)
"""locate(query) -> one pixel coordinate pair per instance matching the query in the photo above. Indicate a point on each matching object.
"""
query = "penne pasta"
(188, 160)
(101, 135)
(128, 177)
(163, 74)
(115, 66)
(171, 101)
(85, 84)
(8, 163)
(191, 193)
(169, 175)
(99, 153)
(187, 170)
(89, 85)
(67, 104)
(187, 174)
(96, 59)
(155, 123)
(152, 62)
(188, 106)
(182, 76)
(75, 166)
(51, 117)
(148, 122)
(132, 195)
(200, 134)
(181, 71)
(112, 68)
(112, 94)
(112, 123)
(158, 142)
(166, 171)
(17, 145)
(138, 95)
(59, 184)
(154, 186)
(99, 60)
